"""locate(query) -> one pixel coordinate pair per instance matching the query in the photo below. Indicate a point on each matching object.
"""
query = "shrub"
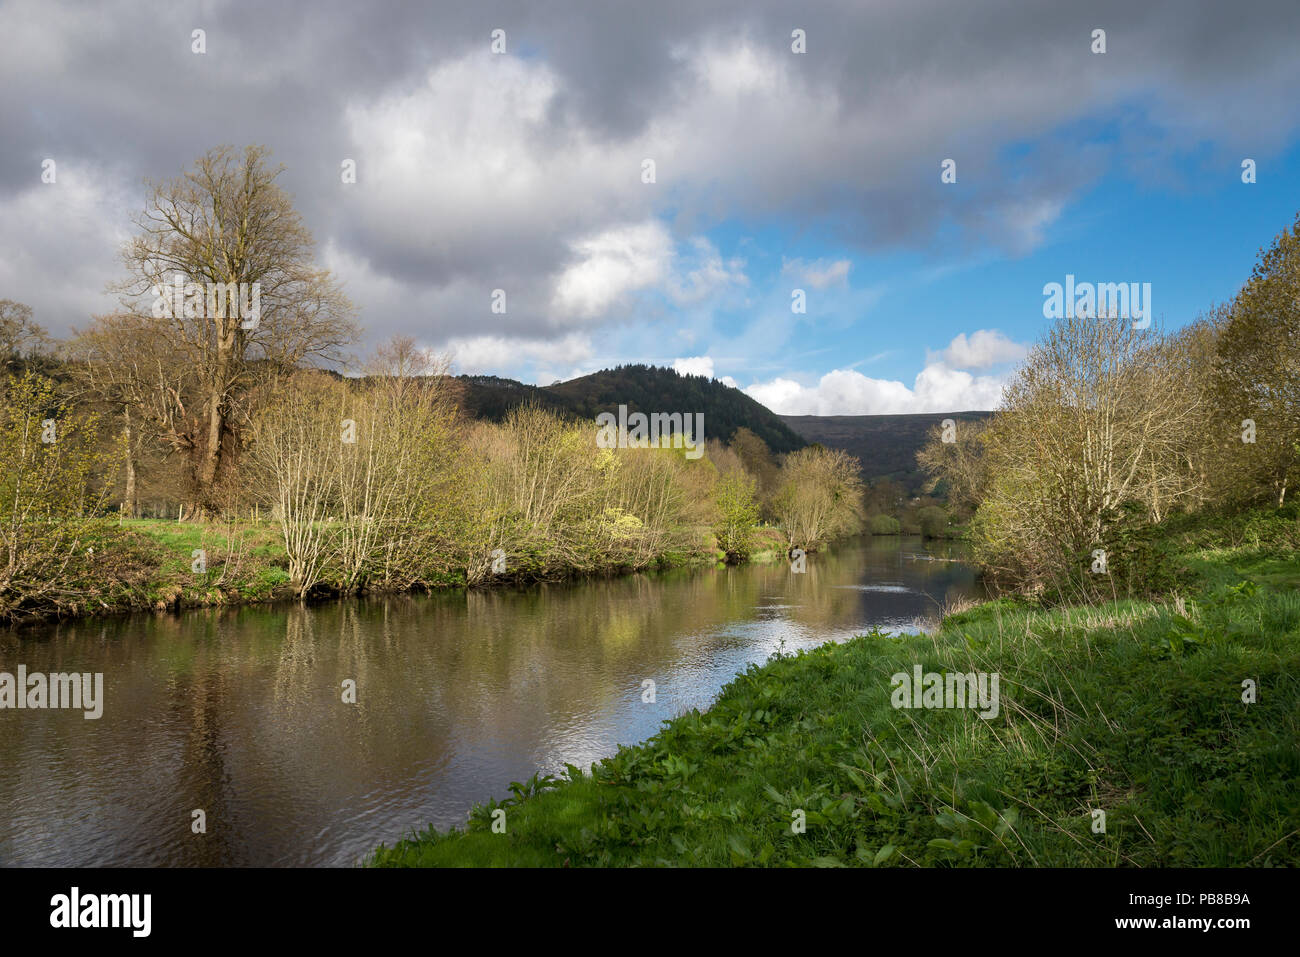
(934, 521)
(883, 525)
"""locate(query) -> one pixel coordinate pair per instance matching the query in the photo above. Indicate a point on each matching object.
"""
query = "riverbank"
(1176, 716)
(159, 565)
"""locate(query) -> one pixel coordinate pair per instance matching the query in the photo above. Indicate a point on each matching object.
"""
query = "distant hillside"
(642, 389)
(491, 397)
(886, 445)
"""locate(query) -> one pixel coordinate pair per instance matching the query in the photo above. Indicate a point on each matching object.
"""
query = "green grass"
(245, 561)
(1133, 707)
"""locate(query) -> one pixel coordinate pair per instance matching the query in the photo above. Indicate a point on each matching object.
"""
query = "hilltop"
(641, 388)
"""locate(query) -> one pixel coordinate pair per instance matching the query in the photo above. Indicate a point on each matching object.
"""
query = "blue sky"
(1194, 235)
(522, 169)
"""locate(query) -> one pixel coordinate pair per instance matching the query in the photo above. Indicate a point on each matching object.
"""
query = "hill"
(886, 445)
(642, 389)
(491, 397)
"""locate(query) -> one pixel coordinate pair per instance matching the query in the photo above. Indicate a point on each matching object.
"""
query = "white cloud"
(984, 348)
(942, 386)
(697, 365)
(478, 171)
(613, 263)
(553, 210)
(494, 353)
(820, 273)
(937, 388)
(704, 273)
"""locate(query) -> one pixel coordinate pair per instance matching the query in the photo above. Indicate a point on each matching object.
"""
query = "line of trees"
(374, 479)
(1105, 429)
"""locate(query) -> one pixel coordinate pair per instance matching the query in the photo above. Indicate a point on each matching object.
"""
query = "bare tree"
(124, 363)
(294, 442)
(229, 227)
(20, 337)
(396, 479)
(1095, 425)
(819, 496)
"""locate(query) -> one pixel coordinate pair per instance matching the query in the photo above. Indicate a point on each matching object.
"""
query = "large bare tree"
(224, 223)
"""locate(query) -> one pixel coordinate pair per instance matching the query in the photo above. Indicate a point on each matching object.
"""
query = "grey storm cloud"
(523, 172)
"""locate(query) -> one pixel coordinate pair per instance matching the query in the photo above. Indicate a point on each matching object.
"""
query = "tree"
(1092, 431)
(49, 495)
(1257, 373)
(20, 338)
(227, 226)
(758, 461)
(1212, 449)
(397, 479)
(122, 362)
(737, 513)
(959, 464)
(933, 521)
(294, 442)
(819, 496)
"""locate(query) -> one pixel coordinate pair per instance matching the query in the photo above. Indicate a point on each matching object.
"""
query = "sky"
(795, 147)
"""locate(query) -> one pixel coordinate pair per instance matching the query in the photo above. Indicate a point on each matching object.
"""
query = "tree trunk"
(130, 505)
(218, 395)
(210, 464)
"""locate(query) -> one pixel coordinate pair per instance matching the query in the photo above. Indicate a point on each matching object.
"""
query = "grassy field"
(1133, 708)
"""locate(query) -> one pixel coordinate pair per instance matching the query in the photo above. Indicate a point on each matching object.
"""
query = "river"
(240, 712)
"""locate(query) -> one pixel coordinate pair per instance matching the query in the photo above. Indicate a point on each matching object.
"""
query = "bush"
(934, 521)
(737, 515)
(50, 504)
(883, 525)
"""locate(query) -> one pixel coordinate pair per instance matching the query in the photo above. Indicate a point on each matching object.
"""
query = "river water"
(239, 712)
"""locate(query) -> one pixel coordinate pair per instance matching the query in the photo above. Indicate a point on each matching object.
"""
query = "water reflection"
(239, 712)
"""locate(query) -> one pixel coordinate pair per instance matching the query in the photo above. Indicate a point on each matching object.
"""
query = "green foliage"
(1256, 376)
(737, 514)
(50, 498)
(883, 525)
(933, 521)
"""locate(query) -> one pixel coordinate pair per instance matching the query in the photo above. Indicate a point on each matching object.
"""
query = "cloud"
(937, 388)
(942, 386)
(64, 222)
(611, 265)
(698, 365)
(492, 353)
(984, 348)
(818, 274)
(701, 272)
(522, 171)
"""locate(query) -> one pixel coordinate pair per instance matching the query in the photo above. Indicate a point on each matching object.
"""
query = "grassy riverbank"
(150, 565)
(1132, 707)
